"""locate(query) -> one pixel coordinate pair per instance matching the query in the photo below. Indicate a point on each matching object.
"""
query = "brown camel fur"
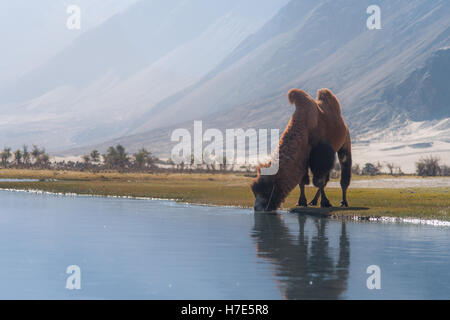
(314, 122)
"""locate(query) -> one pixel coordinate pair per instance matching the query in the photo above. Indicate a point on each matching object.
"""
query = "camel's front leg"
(321, 182)
(315, 200)
(302, 202)
(324, 202)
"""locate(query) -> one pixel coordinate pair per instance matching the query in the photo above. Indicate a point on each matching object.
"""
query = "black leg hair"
(315, 200)
(345, 159)
(302, 202)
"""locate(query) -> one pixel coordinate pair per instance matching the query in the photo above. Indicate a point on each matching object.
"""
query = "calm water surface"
(144, 249)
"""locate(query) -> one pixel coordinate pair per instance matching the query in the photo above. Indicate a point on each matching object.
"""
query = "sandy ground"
(404, 144)
(400, 155)
(397, 183)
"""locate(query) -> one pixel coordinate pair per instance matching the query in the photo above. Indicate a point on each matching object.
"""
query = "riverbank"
(233, 190)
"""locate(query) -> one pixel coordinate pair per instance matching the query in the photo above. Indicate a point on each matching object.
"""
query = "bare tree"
(5, 155)
(26, 157)
(428, 166)
(445, 171)
(36, 153)
(356, 170)
(399, 171)
(18, 157)
(141, 158)
(390, 167)
(44, 160)
(116, 157)
(122, 156)
(370, 169)
(95, 156)
(86, 161)
(223, 165)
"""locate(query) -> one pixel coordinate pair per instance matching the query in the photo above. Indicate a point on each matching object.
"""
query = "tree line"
(431, 167)
(116, 158)
(426, 167)
(24, 157)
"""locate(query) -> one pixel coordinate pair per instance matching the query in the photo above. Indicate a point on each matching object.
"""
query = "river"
(156, 249)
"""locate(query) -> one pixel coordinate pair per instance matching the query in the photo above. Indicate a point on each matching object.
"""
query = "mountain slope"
(325, 44)
(390, 82)
(425, 94)
(123, 67)
(123, 44)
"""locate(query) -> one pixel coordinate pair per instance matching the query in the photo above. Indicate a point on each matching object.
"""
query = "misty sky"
(34, 31)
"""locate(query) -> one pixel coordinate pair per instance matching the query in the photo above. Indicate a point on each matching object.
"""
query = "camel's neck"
(293, 142)
(293, 152)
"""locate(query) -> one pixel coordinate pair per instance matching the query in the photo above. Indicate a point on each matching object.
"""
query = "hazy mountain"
(314, 44)
(425, 94)
(390, 81)
(160, 65)
(123, 67)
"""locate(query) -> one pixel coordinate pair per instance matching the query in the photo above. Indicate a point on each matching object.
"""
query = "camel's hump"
(328, 98)
(298, 96)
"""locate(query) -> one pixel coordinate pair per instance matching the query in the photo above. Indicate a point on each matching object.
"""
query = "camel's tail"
(298, 97)
(328, 98)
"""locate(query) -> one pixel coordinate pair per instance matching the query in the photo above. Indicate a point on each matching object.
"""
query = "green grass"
(232, 189)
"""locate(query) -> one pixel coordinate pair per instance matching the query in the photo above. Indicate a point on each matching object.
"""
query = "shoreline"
(353, 218)
(232, 190)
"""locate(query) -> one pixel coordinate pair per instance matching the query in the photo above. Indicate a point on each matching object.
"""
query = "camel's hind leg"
(302, 200)
(345, 159)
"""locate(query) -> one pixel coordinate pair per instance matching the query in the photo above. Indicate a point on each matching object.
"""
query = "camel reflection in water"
(304, 269)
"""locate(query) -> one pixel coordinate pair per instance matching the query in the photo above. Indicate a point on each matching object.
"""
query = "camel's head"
(265, 192)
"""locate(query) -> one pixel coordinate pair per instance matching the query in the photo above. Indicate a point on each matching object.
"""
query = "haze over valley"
(137, 70)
